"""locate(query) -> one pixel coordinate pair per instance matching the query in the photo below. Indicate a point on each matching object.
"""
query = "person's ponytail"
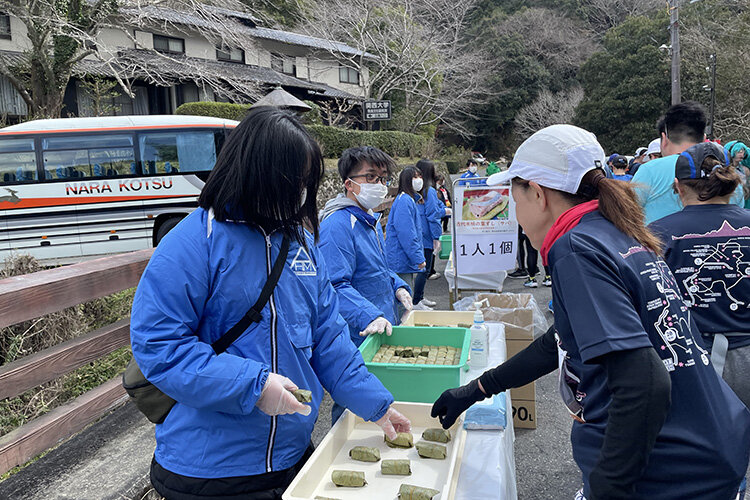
(720, 180)
(618, 203)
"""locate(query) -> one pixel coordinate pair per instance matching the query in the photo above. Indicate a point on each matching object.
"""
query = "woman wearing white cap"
(652, 420)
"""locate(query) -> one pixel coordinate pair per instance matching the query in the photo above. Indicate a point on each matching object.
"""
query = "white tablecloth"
(488, 467)
(490, 281)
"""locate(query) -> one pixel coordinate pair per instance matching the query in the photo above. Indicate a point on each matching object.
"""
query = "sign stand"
(485, 231)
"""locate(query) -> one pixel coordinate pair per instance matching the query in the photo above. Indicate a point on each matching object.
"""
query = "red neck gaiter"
(567, 221)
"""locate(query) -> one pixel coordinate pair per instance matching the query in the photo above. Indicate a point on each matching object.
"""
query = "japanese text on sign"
(486, 231)
(377, 110)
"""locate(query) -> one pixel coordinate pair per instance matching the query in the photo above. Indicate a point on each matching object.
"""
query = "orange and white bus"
(74, 188)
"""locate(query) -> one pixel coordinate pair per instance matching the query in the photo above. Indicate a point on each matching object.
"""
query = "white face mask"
(371, 195)
(473, 169)
(417, 184)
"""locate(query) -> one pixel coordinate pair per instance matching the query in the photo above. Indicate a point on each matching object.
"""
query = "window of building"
(283, 64)
(231, 55)
(348, 75)
(5, 26)
(169, 45)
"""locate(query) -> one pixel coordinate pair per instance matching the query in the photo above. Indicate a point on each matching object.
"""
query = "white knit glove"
(448, 211)
(403, 296)
(378, 325)
(393, 422)
(276, 397)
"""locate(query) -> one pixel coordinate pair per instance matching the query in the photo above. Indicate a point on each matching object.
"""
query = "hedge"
(225, 110)
(332, 140)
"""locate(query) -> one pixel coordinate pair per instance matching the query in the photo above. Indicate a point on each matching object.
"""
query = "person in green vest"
(492, 168)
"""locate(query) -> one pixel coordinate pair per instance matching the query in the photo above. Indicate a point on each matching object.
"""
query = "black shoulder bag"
(155, 404)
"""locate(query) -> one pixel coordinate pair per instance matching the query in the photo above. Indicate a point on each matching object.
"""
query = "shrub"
(225, 110)
(333, 140)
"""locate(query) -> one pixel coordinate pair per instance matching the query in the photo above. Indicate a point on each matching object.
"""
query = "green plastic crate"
(446, 246)
(418, 383)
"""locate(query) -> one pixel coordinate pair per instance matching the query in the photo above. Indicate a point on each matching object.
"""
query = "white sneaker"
(428, 302)
(434, 276)
(422, 307)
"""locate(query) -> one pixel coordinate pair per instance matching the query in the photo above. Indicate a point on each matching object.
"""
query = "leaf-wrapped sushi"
(349, 478)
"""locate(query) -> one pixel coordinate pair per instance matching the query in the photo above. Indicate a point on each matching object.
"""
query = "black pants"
(527, 253)
(269, 486)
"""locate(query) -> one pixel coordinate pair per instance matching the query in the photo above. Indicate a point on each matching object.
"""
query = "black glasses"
(372, 178)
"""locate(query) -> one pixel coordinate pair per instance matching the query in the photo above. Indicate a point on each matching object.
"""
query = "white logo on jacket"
(302, 264)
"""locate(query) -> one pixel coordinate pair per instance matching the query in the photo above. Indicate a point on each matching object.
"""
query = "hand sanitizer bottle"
(479, 340)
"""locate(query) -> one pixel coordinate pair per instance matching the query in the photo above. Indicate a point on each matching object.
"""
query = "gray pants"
(409, 279)
(737, 372)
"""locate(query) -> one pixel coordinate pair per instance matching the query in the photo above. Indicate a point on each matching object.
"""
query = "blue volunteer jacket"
(430, 212)
(202, 278)
(403, 242)
(472, 179)
(351, 241)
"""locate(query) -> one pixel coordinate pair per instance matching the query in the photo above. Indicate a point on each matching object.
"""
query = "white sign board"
(485, 233)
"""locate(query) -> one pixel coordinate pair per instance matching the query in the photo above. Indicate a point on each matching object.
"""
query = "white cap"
(640, 151)
(556, 157)
(654, 147)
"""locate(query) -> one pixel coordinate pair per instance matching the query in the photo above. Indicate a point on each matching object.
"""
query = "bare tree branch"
(548, 109)
(415, 47)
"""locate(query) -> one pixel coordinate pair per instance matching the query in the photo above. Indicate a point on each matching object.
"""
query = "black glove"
(454, 402)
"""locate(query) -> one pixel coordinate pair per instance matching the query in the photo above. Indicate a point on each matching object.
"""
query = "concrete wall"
(110, 40)
(144, 39)
(19, 41)
(199, 47)
(326, 70)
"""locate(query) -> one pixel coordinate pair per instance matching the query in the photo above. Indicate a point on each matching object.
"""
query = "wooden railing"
(26, 297)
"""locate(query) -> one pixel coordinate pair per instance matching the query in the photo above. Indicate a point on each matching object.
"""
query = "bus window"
(88, 156)
(173, 152)
(17, 161)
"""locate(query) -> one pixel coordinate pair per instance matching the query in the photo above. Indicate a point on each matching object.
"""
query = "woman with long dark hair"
(651, 418)
(431, 212)
(403, 232)
(707, 247)
(236, 430)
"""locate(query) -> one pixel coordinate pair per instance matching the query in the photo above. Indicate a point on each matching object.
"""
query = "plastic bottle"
(479, 340)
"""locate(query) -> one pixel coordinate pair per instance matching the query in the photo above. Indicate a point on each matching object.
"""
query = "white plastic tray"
(333, 453)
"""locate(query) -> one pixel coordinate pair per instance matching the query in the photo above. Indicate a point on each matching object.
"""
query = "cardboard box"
(527, 392)
(524, 414)
(518, 315)
(439, 318)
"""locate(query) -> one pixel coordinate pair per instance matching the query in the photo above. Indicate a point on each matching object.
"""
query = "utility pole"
(675, 32)
(712, 63)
